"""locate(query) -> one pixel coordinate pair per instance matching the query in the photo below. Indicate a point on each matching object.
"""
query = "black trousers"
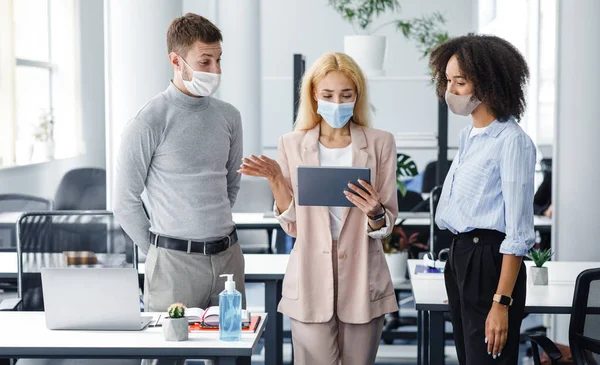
(472, 274)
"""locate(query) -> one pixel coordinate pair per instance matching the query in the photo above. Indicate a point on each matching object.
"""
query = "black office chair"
(584, 329)
(82, 189)
(430, 176)
(411, 202)
(546, 165)
(44, 238)
(255, 196)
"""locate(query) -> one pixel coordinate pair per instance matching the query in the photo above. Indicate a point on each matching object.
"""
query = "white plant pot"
(368, 51)
(538, 275)
(43, 151)
(397, 263)
(175, 329)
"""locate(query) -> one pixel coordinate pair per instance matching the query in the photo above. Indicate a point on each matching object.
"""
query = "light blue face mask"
(336, 115)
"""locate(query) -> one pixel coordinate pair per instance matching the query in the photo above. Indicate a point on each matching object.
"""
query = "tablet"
(324, 185)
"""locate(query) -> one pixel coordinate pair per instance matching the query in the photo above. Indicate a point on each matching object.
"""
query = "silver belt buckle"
(204, 243)
(155, 240)
(228, 241)
(189, 248)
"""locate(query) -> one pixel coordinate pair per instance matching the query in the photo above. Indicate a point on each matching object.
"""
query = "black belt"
(481, 234)
(189, 246)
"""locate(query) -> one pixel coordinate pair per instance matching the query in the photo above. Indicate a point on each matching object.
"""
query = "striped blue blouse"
(490, 185)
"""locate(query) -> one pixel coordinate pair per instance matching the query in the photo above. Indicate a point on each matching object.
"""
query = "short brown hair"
(186, 30)
(496, 68)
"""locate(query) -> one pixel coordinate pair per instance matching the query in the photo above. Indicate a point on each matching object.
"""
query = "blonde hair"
(307, 111)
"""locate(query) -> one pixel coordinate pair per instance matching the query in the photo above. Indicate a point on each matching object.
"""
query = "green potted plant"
(43, 136)
(175, 326)
(367, 49)
(539, 273)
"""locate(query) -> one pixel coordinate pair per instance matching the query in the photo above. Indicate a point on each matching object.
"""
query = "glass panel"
(31, 29)
(32, 101)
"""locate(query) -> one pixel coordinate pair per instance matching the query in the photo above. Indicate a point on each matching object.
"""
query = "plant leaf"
(405, 166)
(401, 187)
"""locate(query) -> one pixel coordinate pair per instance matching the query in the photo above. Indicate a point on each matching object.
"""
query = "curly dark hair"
(496, 68)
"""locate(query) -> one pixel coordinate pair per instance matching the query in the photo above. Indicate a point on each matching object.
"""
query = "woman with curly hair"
(487, 198)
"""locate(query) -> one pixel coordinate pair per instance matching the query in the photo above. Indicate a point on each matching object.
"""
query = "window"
(530, 25)
(39, 114)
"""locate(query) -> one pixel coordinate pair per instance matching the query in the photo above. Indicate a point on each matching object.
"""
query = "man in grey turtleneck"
(183, 149)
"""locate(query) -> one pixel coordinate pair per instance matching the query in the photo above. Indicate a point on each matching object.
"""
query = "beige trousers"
(336, 342)
(192, 279)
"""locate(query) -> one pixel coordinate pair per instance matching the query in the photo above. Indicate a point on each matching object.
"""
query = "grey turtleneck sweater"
(184, 152)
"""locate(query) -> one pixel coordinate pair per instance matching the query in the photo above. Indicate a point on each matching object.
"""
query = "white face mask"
(203, 83)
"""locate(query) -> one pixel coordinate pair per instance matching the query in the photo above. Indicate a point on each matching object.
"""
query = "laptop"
(325, 185)
(92, 299)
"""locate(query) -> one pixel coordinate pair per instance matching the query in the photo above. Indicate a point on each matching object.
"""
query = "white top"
(557, 296)
(475, 131)
(257, 265)
(25, 334)
(338, 157)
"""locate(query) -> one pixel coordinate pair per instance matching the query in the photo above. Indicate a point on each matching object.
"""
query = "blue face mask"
(336, 115)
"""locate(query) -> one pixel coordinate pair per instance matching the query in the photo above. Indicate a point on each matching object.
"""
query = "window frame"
(63, 70)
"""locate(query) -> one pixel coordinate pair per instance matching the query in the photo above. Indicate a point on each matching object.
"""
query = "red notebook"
(251, 328)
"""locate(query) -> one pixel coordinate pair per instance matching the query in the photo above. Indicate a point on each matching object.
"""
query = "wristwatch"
(378, 217)
(503, 299)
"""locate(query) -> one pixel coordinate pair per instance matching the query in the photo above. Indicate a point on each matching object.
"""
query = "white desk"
(267, 269)
(430, 296)
(265, 221)
(543, 224)
(8, 222)
(253, 220)
(24, 334)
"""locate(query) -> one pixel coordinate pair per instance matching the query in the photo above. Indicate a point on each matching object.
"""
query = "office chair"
(430, 176)
(584, 329)
(19, 203)
(255, 196)
(546, 165)
(44, 238)
(23, 203)
(411, 202)
(82, 189)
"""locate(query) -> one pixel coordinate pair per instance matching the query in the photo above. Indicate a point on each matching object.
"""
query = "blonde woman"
(337, 285)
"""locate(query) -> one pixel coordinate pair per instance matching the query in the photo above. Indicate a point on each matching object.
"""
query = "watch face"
(504, 300)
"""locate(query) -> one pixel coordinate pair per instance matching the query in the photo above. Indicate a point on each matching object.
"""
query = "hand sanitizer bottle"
(230, 311)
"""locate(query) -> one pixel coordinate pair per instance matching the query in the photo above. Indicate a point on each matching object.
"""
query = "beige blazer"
(365, 289)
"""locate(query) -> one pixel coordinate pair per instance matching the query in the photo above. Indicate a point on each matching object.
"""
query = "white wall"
(405, 102)
(576, 152)
(43, 179)
(137, 64)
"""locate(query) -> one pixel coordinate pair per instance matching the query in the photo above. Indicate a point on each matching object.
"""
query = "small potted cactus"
(539, 273)
(175, 326)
